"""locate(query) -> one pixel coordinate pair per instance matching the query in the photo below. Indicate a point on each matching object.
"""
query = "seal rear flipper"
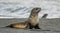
(10, 26)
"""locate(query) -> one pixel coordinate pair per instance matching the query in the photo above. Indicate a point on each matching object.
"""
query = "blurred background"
(22, 8)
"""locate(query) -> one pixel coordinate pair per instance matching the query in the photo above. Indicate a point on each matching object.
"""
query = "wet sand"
(46, 25)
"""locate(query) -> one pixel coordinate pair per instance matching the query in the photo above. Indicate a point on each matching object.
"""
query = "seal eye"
(36, 9)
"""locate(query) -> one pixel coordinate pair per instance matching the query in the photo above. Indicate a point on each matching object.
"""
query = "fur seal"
(32, 22)
(45, 15)
(33, 19)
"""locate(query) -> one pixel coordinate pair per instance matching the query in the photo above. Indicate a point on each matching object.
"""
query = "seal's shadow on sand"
(39, 30)
(27, 29)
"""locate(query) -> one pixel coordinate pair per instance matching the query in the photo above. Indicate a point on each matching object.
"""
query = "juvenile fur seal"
(33, 19)
(32, 22)
(45, 15)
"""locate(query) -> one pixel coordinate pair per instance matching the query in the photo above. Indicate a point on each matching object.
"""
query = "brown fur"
(31, 22)
(21, 25)
(33, 18)
(45, 15)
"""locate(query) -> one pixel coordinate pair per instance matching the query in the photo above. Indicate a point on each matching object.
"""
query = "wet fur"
(32, 22)
(45, 15)
(33, 19)
(18, 25)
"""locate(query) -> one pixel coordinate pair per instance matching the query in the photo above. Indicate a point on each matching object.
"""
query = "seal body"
(32, 22)
(45, 15)
(18, 25)
(33, 19)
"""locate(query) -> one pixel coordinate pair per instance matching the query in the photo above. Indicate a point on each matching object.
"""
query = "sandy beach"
(46, 25)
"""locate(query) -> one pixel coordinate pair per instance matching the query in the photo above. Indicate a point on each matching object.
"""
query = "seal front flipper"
(30, 26)
(37, 26)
